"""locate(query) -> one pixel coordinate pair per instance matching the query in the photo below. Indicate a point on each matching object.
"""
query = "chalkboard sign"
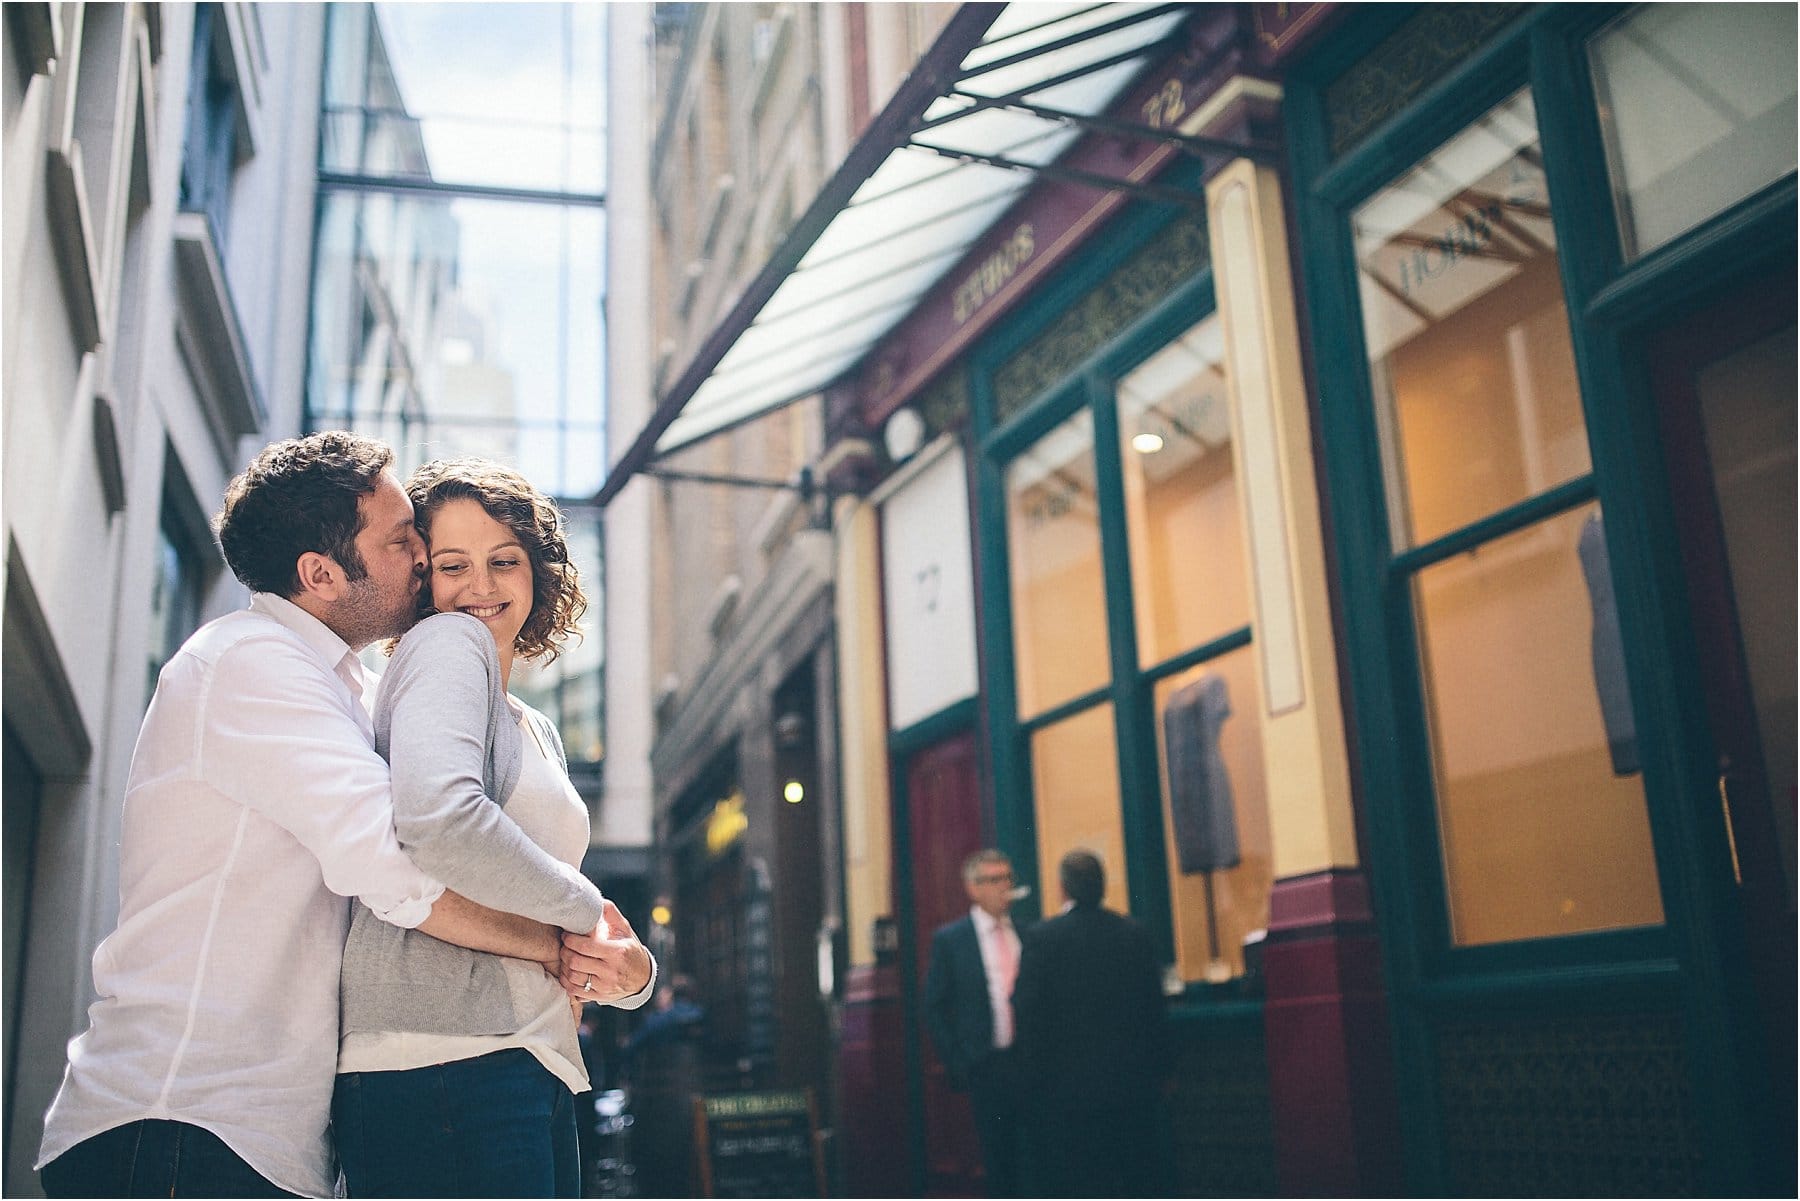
(759, 1145)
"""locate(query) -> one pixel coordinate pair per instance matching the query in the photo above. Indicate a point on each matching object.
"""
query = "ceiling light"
(1146, 443)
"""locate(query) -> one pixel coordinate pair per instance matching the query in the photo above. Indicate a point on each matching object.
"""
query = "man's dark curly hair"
(557, 602)
(296, 496)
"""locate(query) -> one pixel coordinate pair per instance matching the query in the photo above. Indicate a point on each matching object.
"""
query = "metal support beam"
(1106, 183)
(925, 84)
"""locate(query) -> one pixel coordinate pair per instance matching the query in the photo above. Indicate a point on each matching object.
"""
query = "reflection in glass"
(509, 95)
(1053, 544)
(1181, 501)
(1075, 787)
(569, 690)
(1209, 734)
(459, 326)
(1467, 334)
(1540, 803)
(1697, 109)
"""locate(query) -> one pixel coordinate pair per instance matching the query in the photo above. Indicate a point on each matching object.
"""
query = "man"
(255, 803)
(1089, 1003)
(968, 1009)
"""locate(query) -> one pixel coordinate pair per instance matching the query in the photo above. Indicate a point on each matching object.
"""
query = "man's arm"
(456, 919)
(940, 1009)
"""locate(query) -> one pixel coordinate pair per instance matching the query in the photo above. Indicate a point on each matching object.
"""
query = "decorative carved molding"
(1133, 289)
(1405, 63)
(1568, 1105)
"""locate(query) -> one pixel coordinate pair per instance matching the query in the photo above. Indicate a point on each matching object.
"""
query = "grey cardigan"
(454, 764)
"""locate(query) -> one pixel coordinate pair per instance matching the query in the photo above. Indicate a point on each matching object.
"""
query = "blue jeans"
(154, 1158)
(499, 1125)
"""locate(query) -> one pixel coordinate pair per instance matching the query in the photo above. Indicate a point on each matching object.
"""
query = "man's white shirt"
(256, 803)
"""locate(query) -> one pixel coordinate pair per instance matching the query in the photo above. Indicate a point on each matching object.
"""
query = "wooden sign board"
(759, 1144)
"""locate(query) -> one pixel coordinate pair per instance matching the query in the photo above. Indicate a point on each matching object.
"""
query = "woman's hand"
(608, 965)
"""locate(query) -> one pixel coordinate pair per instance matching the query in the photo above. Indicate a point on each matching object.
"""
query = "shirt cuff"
(408, 912)
(636, 1000)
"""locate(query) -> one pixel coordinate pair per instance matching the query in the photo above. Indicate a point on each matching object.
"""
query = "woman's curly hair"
(557, 602)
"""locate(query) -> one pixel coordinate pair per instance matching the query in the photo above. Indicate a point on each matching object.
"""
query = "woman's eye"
(450, 568)
(506, 562)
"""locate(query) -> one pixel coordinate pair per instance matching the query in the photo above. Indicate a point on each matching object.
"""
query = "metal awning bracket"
(1106, 183)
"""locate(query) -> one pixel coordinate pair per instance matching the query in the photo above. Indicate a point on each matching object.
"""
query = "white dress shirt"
(999, 981)
(256, 803)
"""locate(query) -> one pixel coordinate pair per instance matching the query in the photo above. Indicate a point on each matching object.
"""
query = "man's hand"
(608, 965)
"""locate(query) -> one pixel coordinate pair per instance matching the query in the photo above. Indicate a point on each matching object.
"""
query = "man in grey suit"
(968, 1009)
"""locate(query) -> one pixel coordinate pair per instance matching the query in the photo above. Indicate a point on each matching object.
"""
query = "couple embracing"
(249, 1017)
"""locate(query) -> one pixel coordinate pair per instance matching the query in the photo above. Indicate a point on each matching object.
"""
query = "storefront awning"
(1000, 96)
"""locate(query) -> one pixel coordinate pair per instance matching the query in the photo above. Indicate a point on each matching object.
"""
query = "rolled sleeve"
(279, 736)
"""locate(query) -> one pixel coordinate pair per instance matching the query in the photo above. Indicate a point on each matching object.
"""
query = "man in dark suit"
(968, 1009)
(1089, 1004)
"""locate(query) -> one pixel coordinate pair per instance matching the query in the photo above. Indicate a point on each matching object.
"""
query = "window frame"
(1130, 687)
(1610, 303)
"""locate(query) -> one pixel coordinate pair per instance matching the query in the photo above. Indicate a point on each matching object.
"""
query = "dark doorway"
(1724, 383)
(943, 816)
(23, 800)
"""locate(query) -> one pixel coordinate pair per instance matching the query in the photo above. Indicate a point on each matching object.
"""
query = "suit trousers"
(997, 1096)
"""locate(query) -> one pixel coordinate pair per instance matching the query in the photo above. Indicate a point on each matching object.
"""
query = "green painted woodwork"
(1673, 1001)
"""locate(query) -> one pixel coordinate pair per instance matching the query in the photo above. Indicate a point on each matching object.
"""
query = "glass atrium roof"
(1011, 106)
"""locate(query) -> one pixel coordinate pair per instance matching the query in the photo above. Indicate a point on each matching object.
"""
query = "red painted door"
(943, 814)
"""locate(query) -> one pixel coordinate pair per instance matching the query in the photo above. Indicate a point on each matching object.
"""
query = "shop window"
(1181, 575)
(1181, 502)
(1467, 334)
(1075, 782)
(1697, 107)
(1190, 590)
(1541, 808)
(1534, 753)
(175, 592)
(1058, 593)
(210, 155)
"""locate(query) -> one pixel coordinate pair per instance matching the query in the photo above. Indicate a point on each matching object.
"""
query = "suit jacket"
(1088, 1011)
(957, 1011)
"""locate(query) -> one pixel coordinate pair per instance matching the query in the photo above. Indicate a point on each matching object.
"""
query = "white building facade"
(158, 217)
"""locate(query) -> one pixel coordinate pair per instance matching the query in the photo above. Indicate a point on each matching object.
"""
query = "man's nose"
(420, 561)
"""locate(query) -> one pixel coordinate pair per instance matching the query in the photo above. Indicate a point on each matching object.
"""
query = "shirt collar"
(315, 633)
(985, 921)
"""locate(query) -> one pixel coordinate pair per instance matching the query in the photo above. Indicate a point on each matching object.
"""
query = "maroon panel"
(871, 1060)
(1331, 1082)
(943, 811)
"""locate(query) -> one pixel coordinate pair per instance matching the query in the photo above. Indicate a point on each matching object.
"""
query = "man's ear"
(320, 577)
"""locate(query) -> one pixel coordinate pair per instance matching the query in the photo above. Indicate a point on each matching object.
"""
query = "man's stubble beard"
(364, 615)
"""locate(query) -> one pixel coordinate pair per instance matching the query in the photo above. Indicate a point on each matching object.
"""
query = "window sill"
(209, 335)
(73, 230)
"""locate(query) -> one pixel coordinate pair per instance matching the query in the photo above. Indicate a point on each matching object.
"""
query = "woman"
(457, 1069)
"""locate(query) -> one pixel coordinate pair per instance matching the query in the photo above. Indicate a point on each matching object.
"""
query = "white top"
(255, 804)
(999, 982)
(549, 810)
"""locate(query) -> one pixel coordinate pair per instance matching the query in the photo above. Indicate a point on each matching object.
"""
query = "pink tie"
(1007, 965)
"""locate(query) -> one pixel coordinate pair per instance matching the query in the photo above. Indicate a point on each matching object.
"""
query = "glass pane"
(1215, 810)
(1697, 107)
(1181, 502)
(1468, 339)
(1053, 543)
(1075, 787)
(511, 95)
(568, 691)
(459, 326)
(1534, 749)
